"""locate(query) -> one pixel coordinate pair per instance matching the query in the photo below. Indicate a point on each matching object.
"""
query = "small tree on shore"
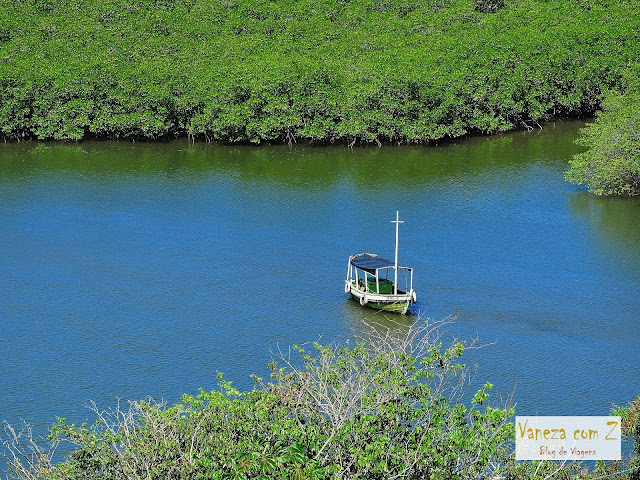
(611, 165)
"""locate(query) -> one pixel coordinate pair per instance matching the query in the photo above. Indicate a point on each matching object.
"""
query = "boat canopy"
(370, 263)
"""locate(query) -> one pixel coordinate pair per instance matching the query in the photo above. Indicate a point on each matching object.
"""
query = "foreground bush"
(390, 407)
(630, 416)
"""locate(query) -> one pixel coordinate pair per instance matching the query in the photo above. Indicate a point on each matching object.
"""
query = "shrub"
(388, 407)
(630, 416)
(611, 164)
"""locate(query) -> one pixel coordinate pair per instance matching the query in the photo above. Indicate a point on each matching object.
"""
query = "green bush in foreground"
(387, 408)
(630, 416)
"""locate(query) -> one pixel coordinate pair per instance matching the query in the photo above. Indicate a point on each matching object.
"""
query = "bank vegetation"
(349, 71)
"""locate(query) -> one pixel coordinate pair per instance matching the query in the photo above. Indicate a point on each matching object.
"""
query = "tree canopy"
(611, 164)
(301, 70)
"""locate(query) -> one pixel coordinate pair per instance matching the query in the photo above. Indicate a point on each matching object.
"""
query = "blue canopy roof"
(370, 263)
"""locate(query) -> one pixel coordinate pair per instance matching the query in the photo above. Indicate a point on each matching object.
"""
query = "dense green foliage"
(385, 409)
(336, 70)
(630, 416)
(611, 165)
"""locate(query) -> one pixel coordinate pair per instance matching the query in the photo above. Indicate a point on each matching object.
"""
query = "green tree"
(611, 164)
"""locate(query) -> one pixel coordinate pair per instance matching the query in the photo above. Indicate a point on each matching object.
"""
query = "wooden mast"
(395, 282)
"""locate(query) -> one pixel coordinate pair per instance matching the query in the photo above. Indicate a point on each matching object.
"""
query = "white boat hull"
(397, 303)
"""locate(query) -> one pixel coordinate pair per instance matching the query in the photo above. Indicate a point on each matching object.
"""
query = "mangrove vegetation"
(349, 71)
(611, 163)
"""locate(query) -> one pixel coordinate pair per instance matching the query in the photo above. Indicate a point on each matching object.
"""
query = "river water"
(142, 269)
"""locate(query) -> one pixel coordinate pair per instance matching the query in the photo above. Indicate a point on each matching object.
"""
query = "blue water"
(135, 270)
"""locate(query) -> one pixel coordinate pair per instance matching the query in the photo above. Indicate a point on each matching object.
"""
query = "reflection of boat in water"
(366, 284)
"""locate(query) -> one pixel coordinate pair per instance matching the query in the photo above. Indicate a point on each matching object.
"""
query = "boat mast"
(395, 283)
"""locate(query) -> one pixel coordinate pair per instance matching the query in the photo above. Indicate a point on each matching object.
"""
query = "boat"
(368, 281)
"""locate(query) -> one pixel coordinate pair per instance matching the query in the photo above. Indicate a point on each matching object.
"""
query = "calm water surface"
(134, 270)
